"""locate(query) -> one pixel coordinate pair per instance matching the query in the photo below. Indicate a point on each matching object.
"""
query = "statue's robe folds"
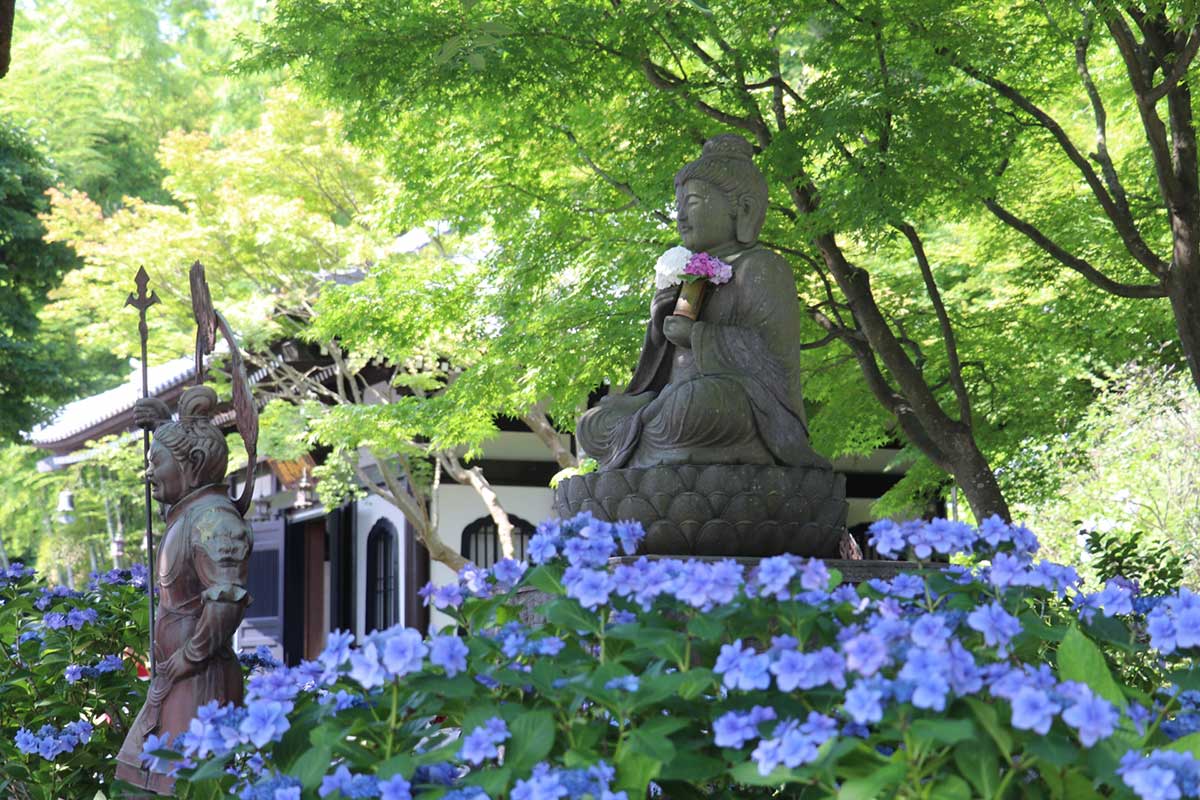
(733, 397)
(202, 569)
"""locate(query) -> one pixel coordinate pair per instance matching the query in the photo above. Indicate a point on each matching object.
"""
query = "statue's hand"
(678, 330)
(149, 412)
(177, 667)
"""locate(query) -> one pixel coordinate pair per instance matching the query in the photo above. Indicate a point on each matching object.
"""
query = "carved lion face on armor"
(190, 453)
(721, 196)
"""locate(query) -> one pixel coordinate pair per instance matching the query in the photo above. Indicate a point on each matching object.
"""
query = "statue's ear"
(747, 219)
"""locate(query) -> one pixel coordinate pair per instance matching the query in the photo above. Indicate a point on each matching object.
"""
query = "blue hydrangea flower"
(448, 652)
(395, 788)
(887, 538)
(542, 547)
(864, 702)
(480, 744)
(1162, 775)
(865, 653)
(1033, 710)
(742, 668)
(997, 625)
(403, 652)
(623, 683)
(365, 668)
(508, 572)
(630, 535)
(1093, 717)
(350, 785)
(814, 575)
(773, 576)
(266, 721)
(591, 587)
(735, 728)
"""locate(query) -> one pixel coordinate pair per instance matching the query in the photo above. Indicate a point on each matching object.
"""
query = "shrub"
(68, 680)
(714, 679)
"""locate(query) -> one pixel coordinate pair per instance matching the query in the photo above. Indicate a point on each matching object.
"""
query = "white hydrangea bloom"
(669, 267)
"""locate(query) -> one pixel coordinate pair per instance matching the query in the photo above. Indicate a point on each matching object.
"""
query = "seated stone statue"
(724, 388)
(200, 571)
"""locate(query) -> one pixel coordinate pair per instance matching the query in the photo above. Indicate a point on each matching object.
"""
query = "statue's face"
(167, 481)
(705, 216)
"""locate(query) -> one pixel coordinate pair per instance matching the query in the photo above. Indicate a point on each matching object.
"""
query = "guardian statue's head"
(190, 453)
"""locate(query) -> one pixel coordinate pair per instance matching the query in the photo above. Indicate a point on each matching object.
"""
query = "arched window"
(383, 585)
(481, 544)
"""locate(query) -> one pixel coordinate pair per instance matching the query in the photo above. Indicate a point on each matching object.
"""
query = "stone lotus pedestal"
(753, 510)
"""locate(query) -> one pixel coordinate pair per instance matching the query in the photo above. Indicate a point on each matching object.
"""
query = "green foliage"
(543, 127)
(39, 365)
(35, 690)
(1128, 473)
(1156, 566)
(100, 83)
(264, 209)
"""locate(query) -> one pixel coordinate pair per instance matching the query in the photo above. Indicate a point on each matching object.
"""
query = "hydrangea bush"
(703, 678)
(68, 680)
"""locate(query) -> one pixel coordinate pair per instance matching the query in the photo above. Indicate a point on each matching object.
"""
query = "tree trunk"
(539, 422)
(1183, 287)
(474, 477)
(949, 443)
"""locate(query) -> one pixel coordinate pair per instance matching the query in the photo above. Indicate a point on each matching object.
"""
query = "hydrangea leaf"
(951, 787)
(944, 731)
(1054, 749)
(1079, 659)
(1187, 744)
(657, 747)
(976, 760)
(493, 781)
(212, 769)
(532, 739)
(1188, 678)
(567, 614)
(747, 773)
(987, 717)
(874, 785)
(635, 771)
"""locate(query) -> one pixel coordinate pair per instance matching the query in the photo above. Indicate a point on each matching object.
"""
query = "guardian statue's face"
(168, 484)
(705, 217)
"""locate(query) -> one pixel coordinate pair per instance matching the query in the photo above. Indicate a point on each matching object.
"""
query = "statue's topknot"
(728, 145)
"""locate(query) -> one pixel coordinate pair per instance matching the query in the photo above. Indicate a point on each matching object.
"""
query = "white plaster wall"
(368, 511)
(459, 506)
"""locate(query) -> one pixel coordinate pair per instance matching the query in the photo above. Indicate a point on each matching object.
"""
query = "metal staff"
(141, 301)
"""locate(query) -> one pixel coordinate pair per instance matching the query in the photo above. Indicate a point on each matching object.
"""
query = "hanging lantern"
(66, 507)
(303, 492)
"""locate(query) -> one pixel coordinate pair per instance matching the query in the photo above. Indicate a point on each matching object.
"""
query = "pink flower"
(702, 265)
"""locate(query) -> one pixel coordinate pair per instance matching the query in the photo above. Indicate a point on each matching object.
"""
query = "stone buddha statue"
(724, 388)
(201, 571)
(708, 445)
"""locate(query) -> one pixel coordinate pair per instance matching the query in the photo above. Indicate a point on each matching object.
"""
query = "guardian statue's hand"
(678, 330)
(150, 412)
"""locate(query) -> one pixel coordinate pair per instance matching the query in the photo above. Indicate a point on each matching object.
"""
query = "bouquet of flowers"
(680, 266)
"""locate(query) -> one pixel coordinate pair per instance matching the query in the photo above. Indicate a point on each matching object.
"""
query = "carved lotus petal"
(661, 481)
(637, 508)
(817, 483)
(746, 511)
(665, 538)
(711, 480)
(717, 537)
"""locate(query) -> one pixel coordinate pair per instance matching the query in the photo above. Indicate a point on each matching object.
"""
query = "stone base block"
(748, 510)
